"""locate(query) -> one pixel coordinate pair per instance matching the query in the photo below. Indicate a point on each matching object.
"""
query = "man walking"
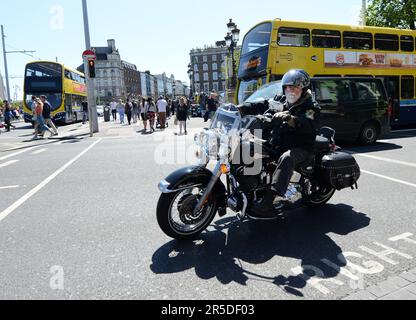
(161, 107)
(47, 108)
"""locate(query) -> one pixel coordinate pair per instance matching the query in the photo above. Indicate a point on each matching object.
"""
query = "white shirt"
(113, 105)
(162, 105)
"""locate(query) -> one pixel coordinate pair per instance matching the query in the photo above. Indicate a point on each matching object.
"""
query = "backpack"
(46, 110)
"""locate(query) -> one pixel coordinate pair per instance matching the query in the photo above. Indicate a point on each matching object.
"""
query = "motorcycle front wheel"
(175, 213)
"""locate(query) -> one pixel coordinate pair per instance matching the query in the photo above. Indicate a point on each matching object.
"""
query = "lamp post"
(231, 42)
(191, 85)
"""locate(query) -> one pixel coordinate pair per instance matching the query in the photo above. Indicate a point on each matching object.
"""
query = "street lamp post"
(191, 85)
(231, 42)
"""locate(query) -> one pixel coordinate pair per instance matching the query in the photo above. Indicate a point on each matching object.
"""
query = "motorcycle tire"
(320, 198)
(170, 228)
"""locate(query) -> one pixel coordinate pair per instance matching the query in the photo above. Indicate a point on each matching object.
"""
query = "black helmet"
(296, 77)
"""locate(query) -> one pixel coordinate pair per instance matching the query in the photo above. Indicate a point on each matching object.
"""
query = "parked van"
(357, 108)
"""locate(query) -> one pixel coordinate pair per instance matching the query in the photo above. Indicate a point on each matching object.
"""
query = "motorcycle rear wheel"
(319, 196)
(175, 214)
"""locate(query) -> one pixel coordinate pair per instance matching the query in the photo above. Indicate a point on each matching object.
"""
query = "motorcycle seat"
(321, 145)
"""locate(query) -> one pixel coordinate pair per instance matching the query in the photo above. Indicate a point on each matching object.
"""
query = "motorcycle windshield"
(226, 121)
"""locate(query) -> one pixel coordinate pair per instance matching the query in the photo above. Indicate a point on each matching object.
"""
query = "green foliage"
(392, 13)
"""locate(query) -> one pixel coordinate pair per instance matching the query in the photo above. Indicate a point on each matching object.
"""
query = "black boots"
(264, 209)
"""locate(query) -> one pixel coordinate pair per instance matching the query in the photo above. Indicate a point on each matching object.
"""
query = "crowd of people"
(8, 114)
(155, 114)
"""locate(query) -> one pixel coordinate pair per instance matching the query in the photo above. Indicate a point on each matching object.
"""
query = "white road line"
(17, 153)
(35, 190)
(388, 178)
(3, 165)
(9, 187)
(39, 151)
(409, 164)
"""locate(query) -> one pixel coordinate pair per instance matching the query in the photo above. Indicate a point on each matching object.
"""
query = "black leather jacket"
(302, 129)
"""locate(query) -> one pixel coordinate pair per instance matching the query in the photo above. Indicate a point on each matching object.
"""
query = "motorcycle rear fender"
(193, 176)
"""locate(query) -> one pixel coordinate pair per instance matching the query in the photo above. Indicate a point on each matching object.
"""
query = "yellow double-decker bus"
(65, 89)
(271, 48)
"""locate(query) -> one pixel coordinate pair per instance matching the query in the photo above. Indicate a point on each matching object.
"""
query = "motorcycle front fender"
(194, 176)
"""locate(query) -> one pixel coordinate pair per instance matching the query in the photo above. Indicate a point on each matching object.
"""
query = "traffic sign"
(89, 54)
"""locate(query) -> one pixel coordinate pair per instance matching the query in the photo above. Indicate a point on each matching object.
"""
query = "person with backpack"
(46, 113)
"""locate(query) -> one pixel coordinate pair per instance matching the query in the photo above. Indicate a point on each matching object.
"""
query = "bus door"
(68, 108)
(392, 85)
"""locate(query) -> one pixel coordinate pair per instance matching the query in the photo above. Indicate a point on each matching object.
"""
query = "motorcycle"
(192, 196)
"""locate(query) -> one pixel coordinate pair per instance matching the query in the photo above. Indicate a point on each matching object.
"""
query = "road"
(77, 221)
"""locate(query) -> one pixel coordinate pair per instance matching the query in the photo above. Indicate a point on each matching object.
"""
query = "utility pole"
(92, 109)
(364, 13)
(5, 62)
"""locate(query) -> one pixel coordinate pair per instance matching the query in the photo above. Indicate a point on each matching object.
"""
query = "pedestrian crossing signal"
(91, 68)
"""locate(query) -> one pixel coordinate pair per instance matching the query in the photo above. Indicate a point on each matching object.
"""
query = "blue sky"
(155, 35)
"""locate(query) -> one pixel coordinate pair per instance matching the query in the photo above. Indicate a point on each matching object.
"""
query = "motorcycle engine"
(247, 182)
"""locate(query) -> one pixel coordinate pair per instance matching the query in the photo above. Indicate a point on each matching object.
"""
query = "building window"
(196, 79)
(196, 59)
(214, 57)
(196, 68)
(215, 87)
(223, 57)
(197, 88)
(206, 87)
(205, 58)
(206, 77)
(205, 68)
(215, 76)
(214, 66)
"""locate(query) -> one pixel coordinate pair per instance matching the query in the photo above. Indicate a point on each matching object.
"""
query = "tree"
(392, 14)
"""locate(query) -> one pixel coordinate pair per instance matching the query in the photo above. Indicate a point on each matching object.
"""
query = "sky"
(154, 35)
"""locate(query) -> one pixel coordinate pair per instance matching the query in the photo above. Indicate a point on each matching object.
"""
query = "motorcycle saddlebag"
(339, 170)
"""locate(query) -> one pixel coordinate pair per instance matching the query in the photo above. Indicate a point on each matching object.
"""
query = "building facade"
(209, 69)
(132, 80)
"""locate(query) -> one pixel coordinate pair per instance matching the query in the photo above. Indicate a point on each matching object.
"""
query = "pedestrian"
(84, 105)
(129, 111)
(46, 113)
(212, 106)
(161, 108)
(40, 128)
(151, 111)
(8, 115)
(143, 106)
(113, 106)
(182, 115)
(136, 111)
(121, 110)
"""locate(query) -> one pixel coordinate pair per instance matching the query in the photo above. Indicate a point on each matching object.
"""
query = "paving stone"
(401, 294)
(388, 286)
(361, 295)
(409, 276)
(411, 288)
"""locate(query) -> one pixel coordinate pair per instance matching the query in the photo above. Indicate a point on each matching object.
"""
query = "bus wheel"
(369, 134)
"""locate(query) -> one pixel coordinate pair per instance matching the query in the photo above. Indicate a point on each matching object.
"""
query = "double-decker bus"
(64, 88)
(271, 48)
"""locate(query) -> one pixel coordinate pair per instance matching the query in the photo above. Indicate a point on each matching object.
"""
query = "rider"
(294, 135)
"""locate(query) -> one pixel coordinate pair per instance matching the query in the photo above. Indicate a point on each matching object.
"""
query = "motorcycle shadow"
(219, 252)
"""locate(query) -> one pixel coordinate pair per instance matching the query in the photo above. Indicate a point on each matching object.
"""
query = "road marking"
(35, 190)
(39, 151)
(388, 178)
(3, 165)
(404, 163)
(17, 153)
(9, 187)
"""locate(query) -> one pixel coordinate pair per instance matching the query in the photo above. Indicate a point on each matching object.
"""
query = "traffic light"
(91, 68)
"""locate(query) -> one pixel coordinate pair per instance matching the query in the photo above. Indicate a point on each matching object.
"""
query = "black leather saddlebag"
(339, 170)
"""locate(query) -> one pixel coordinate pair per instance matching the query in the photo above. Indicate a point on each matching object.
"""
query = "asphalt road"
(77, 221)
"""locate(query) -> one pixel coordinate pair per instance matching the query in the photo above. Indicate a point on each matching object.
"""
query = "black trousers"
(286, 166)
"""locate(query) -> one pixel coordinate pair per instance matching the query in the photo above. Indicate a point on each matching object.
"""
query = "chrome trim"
(216, 175)
(164, 187)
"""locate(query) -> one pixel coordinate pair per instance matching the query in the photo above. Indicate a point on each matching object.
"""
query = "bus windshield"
(55, 99)
(257, 38)
(266, 92)
(43, 77)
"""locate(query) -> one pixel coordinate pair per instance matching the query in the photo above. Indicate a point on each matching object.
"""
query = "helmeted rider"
(294, 135)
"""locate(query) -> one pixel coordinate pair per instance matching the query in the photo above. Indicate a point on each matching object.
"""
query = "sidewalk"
(402, 287)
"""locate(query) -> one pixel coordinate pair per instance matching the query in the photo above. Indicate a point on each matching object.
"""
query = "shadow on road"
(377, 147)
(219, 253)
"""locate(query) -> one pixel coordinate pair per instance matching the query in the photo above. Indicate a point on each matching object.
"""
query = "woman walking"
(151, 114)
(8, 115)
(121, 111)
(40, 128)
(143, 105)
(182, 115)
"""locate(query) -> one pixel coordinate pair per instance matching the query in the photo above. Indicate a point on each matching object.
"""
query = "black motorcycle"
(238, 142)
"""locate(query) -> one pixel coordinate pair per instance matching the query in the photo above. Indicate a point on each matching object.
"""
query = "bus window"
(257, 38)
(408, 87)
(387, 42)
(326, 39)
(294, 37)
(358, 40)
(406, 43)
